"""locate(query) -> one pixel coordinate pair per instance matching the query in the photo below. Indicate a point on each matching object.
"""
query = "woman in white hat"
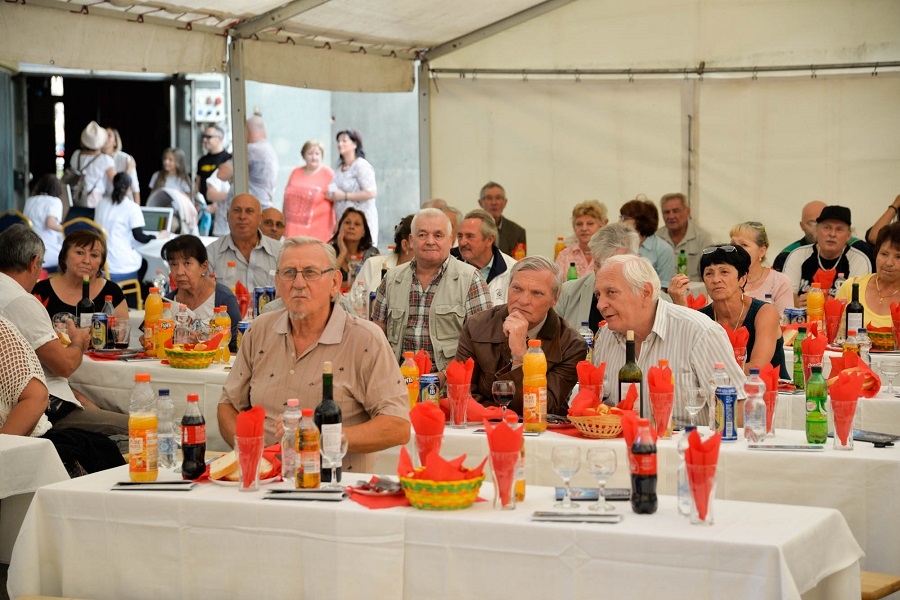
(98, 168)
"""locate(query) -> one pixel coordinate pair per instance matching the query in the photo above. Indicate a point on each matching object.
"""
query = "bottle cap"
(142, 377)
(163, 392)
(231, 263)
(663, 363)
(860, 330)
(816, 368)
(409, 354)
(719, 365)
(689, 428)
(307, 412)
(754, 370)
(107, 298)
(154, 290)
(534, 343)
(159, 271)
(801, 329)
(585, 323)
(851, 332)
(193, 397)
(326, 367)
(293, 402)
(816, 286)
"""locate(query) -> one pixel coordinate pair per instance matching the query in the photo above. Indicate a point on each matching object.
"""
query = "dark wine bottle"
(84, 310)
(855, 311)
(328, 419)
(631, 373)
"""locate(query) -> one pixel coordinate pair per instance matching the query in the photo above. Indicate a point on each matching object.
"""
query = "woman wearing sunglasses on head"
(724, 270)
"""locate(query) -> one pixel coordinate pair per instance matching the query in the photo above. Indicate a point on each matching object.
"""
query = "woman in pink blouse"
(307, 211)
(587, 218)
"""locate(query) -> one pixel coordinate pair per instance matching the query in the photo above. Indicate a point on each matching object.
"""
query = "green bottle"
(798, 357)
(682, 263)
(816, 397)
(573, 272)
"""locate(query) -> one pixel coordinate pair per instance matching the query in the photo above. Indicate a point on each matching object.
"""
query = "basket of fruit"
(198, 357)
(607, 423)
(427, 494)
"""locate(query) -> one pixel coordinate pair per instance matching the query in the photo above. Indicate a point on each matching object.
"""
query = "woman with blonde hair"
(587, 218)
(762, 280)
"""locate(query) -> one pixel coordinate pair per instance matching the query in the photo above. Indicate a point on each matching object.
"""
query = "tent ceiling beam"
(494, 28)
(274, 17)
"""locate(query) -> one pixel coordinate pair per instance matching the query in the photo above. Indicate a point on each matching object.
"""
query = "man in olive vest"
(422, 304)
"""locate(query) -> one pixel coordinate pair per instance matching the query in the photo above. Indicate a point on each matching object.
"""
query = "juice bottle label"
(142, 448)
(534, 402)
(308, 475)
(193, 434)
(162, 333)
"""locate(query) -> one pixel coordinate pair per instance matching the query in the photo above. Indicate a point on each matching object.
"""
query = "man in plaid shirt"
(423, 304)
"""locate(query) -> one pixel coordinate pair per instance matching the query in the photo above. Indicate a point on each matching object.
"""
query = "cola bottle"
(193, 439)
(643, 470)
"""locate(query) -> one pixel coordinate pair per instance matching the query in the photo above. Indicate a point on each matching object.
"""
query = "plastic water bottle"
(588, 335)
(291, 419)
(166, 435)
(838, 281)
(768, 299)
(719, 379)
(359, 299)
(182, 326)
(161, 282)
(754, 408)
(684, 489)
(865, 344)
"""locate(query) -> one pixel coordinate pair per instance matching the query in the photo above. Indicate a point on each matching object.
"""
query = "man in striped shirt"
(627, 290)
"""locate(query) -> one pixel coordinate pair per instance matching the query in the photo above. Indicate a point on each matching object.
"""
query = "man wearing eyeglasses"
(214, 143)
(493, 200)
(282, 354)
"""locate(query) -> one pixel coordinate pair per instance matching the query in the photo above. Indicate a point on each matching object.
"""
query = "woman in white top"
(174, 172)
(98, 168)
(354, 182)
(123, 221)
(124, 162)
(45, 209)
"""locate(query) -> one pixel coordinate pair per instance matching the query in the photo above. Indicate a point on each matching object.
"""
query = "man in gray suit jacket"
(493, 200)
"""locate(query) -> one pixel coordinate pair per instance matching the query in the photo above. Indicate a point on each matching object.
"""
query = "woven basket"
(441, 495)
(190, 359)
(881, 340)
(599, 427)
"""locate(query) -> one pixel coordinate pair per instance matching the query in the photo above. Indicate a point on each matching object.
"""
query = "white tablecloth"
(876, 357)
(863, 484)
(881, 413)
(82, 540)
(25, 465)
(109, 384)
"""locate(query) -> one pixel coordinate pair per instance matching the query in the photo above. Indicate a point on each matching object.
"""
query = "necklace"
(762, 274)
(881, 296)
(836, 260)
(740, 316)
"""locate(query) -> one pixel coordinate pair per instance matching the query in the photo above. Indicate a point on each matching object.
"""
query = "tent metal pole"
(275, 16)
(424, 90)
(238, 115)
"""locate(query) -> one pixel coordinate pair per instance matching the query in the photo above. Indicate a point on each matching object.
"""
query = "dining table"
(26, 464)
(83, 539)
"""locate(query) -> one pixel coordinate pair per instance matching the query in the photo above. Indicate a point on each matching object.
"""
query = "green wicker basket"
(441, 495)
(190, 359)
(881, 340)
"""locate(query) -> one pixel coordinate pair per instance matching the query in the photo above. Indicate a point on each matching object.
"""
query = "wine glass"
(694, 400)
(890, 369)
(601, 463)
(60, 325)
(332, 455)
(503, 392)
(566, 461)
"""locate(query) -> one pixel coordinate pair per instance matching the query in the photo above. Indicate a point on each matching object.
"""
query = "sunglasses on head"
(711, 249)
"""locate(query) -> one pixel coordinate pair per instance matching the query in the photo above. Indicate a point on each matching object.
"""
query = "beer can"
(242, 328)
(260, 299)
(270, 293)
(99, 330)
(726, 404)
(430, 388)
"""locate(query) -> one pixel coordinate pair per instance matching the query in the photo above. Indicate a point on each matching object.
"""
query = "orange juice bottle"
(534, 387)
(223, 323)
(410, 372)
(164, 330)
(153, 308)
(142, 431)
(559, 247)
(815, 307)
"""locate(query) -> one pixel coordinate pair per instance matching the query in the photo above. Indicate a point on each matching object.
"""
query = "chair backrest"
(11, 217)
(82, 224)
(133, 286)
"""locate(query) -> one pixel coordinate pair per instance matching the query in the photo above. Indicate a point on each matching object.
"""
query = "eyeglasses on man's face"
(308, 274)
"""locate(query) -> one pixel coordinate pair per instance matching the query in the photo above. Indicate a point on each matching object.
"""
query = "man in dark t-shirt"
(214, 142)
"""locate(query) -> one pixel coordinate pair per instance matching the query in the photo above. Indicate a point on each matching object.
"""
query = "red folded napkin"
(814, 345)
(504, 437)
(627, 405)
(844, 393)
(250, 422)
(825, 279)
(243, 297)
(590, 380)
(702, 453)
(659, 379)
(475, 411)
(423, 361)
(460, 373)
(697, 302)
(427, 419)
(379, 501)
(833, 307)
(851, 363)
(769, 375)
(438, 468)
(738, 337)
(895, 311)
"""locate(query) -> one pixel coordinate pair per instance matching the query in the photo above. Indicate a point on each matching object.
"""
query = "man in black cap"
(827, 260)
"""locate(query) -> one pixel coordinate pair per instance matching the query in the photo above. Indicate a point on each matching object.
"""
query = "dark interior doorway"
(139, 109)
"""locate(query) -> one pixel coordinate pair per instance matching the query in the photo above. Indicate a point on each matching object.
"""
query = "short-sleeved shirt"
(367, 378)
(262, 171)
(255, 272)
(360, 175)
(18, 366)
(694, 241)
(39, 208)
(118, 220)
(801, 266)
(54, 305)
(207, 164)
(661, 255)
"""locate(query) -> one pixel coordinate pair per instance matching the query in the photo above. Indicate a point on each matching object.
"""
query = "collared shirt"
(367, 378)
(660, 254)
(253, 273)
(689, 340)
(486, 269)
(694, 241)
(584, 263)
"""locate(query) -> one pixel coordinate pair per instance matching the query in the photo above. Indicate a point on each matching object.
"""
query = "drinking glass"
(121, 333)
(332, 457)
(694, 399)
(890, 369)
(503, 392)
(60, 324)
(601, 463)
(566, 461)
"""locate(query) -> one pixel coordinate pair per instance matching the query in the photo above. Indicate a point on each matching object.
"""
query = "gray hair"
(538, 263)
(431, 213)
(637, 271)
(673, 196)
(19, 245)
(435, 203)
(488, 225)
(489, 185)
(457, 215)
(302, 240)
(612, 238)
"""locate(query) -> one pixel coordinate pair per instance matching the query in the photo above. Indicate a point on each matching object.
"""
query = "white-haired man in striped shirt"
(627, 290)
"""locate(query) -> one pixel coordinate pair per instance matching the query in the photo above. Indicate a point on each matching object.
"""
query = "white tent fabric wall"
(553, 144)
